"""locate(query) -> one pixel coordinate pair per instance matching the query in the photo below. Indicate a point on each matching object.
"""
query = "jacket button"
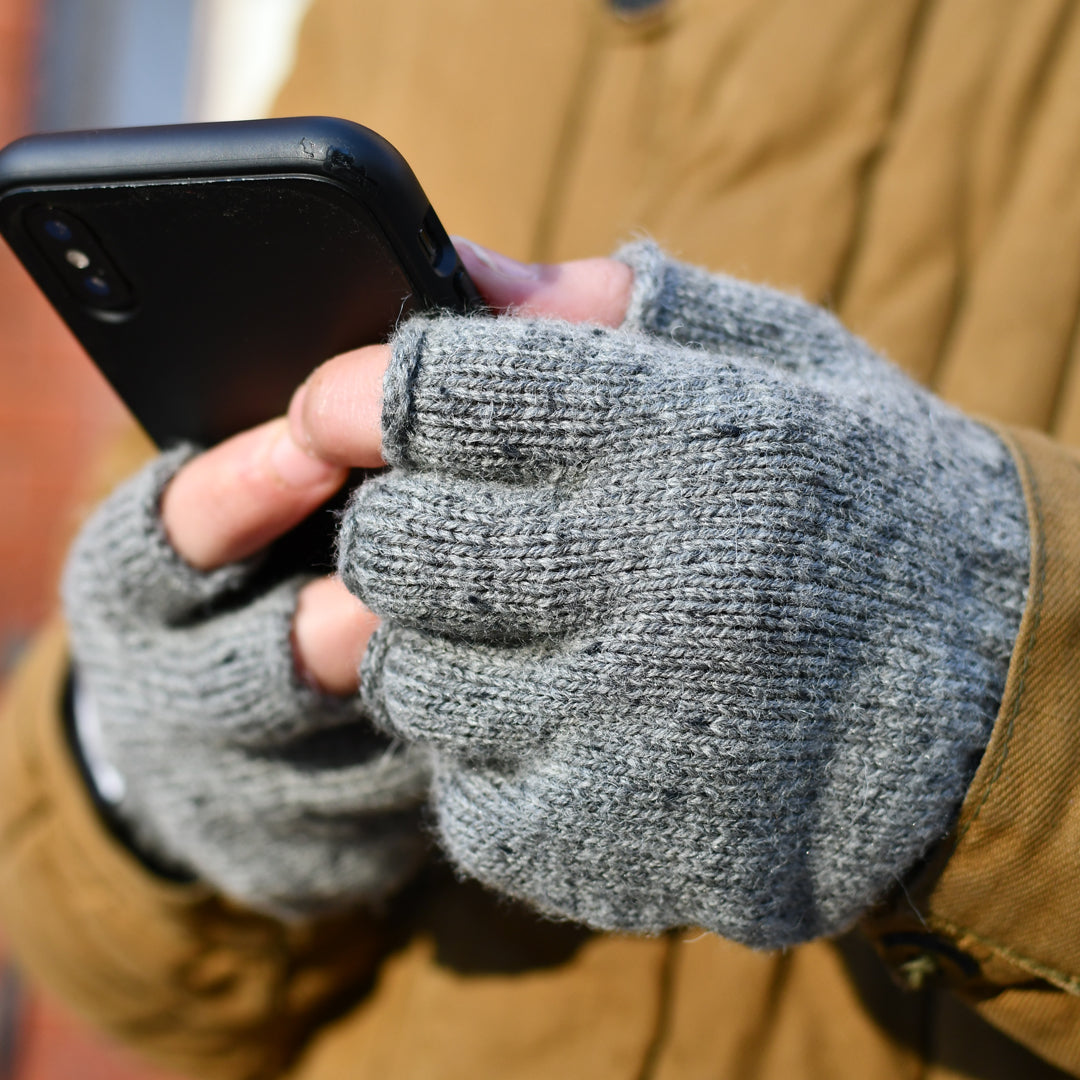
(631, 9)
(918, 969)
(918, 957)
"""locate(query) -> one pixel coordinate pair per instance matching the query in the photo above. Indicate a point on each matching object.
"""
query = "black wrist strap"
(106, 810)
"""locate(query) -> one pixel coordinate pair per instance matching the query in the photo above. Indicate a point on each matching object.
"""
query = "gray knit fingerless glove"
(704, 620)
(233, 768)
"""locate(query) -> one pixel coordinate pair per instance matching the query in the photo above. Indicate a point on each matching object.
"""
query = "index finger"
(336, 414)
(235, 498)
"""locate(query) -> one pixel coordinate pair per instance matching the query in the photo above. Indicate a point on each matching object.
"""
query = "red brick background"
(54, 407)
(55, 412)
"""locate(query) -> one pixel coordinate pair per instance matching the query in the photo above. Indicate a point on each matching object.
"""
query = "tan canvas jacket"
(913, 164)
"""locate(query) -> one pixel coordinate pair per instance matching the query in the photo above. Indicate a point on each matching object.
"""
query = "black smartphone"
(207, 268)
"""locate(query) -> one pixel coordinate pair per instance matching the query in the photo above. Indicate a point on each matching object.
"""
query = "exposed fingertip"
(295, 467)
(336, 414)
(331, 629)
(593, 290)
(598, 290)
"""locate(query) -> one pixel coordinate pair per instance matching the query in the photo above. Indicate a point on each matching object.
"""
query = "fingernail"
(295, 467)
(498, 263)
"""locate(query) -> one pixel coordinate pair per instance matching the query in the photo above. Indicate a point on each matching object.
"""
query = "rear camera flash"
(79, 259)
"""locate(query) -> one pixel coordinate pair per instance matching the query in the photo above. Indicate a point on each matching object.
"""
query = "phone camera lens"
(97, 286)
(57, 230)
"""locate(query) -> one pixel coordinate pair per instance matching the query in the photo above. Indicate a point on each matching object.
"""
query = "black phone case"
(235, 257)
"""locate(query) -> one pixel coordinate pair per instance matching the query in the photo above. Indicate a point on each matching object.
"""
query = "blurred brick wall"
(55, 412)
(54, 407)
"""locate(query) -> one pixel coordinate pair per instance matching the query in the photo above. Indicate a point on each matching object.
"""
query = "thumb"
(587, 290)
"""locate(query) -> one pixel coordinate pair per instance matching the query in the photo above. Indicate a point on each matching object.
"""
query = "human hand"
(703, 619)
(225, 505)
(235, 768)
(228, 707)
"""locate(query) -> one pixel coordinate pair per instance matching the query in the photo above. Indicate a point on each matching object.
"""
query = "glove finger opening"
(478, 561)
(122, 568)
(687, 305)
(509, 399)
(471, 703)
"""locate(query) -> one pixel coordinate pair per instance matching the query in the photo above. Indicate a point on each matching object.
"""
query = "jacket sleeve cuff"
(993, 913)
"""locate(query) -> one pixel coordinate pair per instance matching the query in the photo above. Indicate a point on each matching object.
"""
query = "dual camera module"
(80, 261)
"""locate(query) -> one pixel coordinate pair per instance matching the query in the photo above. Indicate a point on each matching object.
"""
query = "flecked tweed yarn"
(704, 620)
(233, 768)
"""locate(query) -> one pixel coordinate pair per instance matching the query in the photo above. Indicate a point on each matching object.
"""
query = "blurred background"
(80, 64)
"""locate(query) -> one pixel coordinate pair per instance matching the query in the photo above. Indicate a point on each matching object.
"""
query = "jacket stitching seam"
(567, 143)
(871, 166)
(665, 1002)
(1061, 979)
(1036, 622)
